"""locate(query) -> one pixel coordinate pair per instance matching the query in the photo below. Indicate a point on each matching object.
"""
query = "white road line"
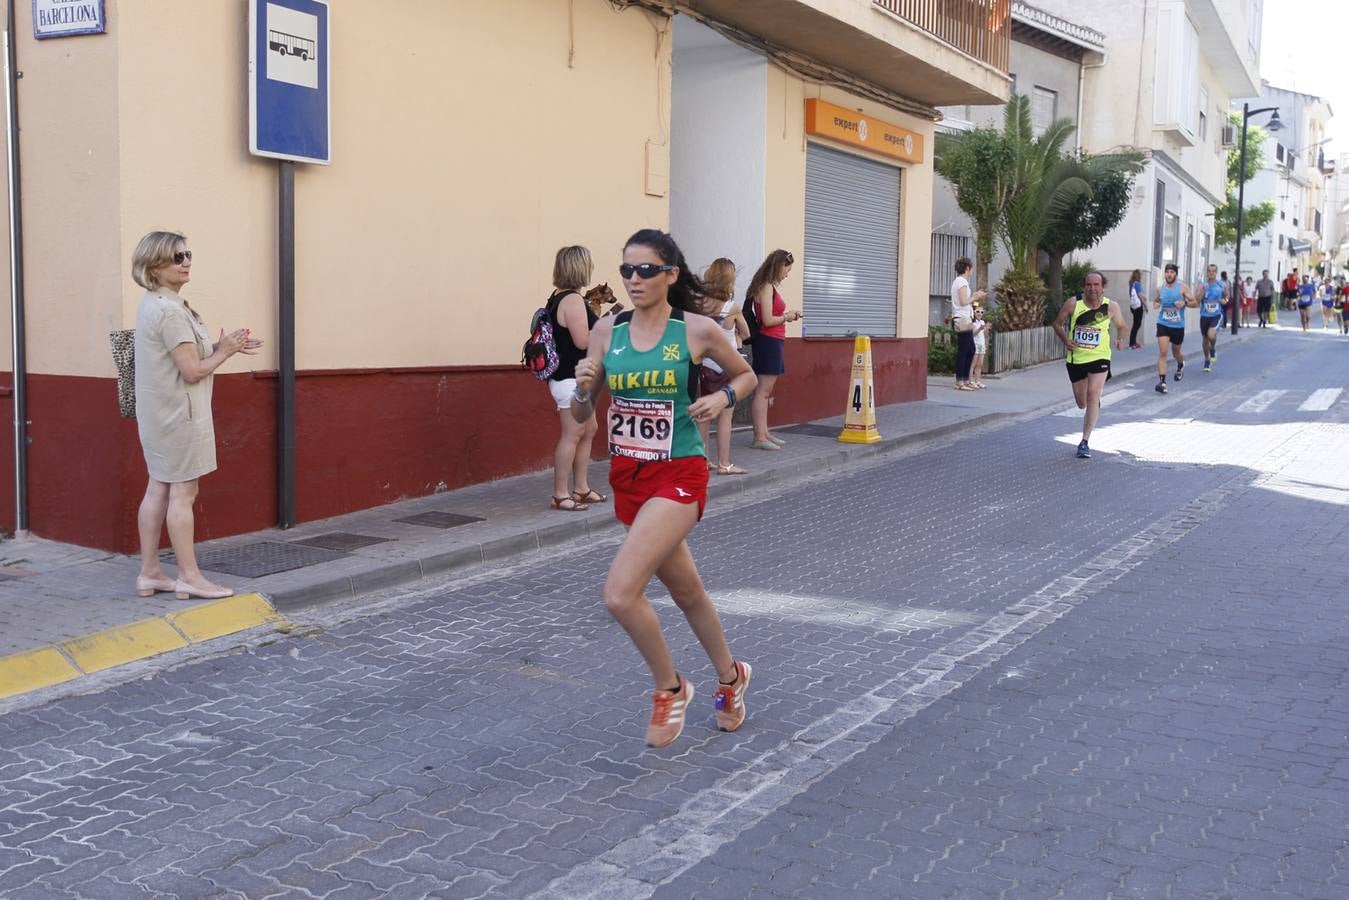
(1260, 402)
(1321, 400)
(1109, 399)
(1164, 402)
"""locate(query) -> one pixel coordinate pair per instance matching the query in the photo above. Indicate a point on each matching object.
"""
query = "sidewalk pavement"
(56, 595)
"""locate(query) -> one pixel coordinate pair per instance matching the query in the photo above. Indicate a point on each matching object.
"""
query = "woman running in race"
(1327, 304)
(648, 358)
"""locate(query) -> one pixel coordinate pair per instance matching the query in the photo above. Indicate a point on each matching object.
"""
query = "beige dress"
(173, 417)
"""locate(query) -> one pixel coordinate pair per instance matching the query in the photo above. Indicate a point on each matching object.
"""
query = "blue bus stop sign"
(288, 80)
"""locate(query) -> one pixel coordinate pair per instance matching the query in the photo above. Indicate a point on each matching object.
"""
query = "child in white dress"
(981, 328)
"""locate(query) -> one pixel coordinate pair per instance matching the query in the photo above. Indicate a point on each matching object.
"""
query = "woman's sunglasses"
(643, 271)
(181, 255)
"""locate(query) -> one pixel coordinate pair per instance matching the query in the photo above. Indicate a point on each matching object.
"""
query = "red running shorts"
(634, 481)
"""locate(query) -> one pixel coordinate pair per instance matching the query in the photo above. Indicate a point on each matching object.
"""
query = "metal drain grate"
(342, 541)
(440, 519)
(824, 431)
(263, 558)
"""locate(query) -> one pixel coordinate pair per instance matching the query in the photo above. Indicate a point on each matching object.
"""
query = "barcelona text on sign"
(71, 12)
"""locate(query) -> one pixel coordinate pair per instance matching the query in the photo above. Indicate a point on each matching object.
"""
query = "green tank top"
(650, 392)
(1090, 329)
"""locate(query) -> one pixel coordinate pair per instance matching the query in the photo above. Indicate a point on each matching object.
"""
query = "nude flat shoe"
(185, 591)
(148, 587)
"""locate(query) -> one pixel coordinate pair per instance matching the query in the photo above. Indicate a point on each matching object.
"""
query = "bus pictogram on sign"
(291, 45)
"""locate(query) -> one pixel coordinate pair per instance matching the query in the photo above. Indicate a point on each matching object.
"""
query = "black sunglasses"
(643, 271)
(180, 255)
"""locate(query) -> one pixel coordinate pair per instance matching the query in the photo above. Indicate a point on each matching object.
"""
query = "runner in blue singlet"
(1306, 296)
(1171, 301)
(1211, 315)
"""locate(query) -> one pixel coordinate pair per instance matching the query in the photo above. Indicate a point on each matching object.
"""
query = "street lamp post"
(1234, 311)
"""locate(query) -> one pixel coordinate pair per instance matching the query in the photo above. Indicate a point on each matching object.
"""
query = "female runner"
(648, 359)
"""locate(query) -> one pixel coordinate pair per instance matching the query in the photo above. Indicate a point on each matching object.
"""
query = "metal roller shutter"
(851, 280)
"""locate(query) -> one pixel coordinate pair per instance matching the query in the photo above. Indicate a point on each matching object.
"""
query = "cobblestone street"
(982, 669)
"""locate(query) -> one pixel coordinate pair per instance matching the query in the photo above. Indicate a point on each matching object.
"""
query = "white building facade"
(1294, 179)
(1337, 216)
(1171, 69)
(1048, 59)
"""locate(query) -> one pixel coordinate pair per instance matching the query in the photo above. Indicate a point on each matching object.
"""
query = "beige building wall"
(786, 191)
(458, 170)
(69, 107)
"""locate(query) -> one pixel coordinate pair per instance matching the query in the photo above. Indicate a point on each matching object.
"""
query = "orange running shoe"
(667, 714)
(731, 699)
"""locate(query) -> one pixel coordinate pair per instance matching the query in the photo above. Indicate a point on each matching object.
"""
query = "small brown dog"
(600, 295)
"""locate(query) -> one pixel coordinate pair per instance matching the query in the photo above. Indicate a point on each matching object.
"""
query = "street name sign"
(288, 80)
(66, 18)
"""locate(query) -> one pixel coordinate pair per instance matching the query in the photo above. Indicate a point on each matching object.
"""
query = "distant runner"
(1264, 297)
(1289, 293)
(1171, 300)
(1344, 308)
(1306, 296)
(1214, 299)
(1089, 349)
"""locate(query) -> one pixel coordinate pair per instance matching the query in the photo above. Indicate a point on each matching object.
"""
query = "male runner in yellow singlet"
(1088, 346)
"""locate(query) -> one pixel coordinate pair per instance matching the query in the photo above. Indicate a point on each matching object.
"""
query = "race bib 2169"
(641, 429)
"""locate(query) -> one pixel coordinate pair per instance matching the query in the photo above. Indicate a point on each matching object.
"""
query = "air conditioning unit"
(1229, 135)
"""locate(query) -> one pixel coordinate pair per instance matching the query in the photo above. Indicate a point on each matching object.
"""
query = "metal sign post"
(288, 120)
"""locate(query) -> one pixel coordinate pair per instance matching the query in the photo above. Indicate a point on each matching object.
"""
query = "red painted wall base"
(364, 438)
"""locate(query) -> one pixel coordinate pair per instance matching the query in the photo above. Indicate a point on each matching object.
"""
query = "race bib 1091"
(641, 429)
(1087, 337)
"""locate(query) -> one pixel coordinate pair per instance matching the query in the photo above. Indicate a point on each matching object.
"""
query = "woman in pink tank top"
(772, 315)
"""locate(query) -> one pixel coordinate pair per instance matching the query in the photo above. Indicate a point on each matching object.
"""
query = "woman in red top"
(773, 315)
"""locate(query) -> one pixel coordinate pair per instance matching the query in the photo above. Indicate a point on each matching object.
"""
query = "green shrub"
(941, 350)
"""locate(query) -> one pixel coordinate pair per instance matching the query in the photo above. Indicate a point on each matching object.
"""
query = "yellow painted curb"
(33, 669)
(123, 644)
(221, 617)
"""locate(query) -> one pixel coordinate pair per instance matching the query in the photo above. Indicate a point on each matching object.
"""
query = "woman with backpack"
(648, 358)
(572, 321)
(768, 316)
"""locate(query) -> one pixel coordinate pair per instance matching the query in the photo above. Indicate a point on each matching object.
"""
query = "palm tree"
(1047, 183)
(1025, 190)
(978, 166)
(1092, 217)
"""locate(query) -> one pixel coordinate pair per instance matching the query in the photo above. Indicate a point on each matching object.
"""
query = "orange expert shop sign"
(847, 126)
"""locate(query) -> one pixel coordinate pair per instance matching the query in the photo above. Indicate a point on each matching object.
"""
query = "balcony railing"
(980, 28)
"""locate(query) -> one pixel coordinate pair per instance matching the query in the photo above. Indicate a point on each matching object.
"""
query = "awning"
(1295, 246)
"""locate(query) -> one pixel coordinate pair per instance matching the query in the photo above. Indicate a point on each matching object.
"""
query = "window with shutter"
(1044, 109)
